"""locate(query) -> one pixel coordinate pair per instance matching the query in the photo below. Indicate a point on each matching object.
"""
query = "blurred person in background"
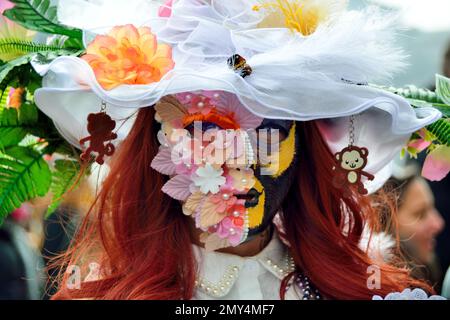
(21, 265)
(29, 240)
(60, 227)
(419, 223)
(441, 191)
(446, 68)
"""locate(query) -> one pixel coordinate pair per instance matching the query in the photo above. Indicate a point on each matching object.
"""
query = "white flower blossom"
(408, 294)
(209, 179)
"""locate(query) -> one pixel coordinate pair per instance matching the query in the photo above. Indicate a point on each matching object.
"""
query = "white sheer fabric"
(294, 77)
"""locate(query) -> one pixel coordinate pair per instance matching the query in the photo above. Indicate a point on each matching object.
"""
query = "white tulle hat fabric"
(315, 77)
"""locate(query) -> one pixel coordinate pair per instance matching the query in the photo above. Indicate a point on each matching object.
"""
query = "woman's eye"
(203, 126)
(271, 132)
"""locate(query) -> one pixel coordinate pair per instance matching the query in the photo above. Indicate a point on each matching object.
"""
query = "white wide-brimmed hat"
(318, 73)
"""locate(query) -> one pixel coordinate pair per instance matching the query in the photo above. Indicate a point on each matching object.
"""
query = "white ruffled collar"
(218, 272)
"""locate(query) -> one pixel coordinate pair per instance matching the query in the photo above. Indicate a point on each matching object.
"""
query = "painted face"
(419, 222)
(274, 177)
(224, 163)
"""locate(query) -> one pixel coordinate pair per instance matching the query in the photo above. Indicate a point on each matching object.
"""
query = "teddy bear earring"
(100, 127)
(350, 164)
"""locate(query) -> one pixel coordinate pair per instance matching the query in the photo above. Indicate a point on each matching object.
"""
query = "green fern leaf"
(443, 88)
(441, 129)
(24, 175)
(45, 57)
(415, 93)
(65, 177)
(15, 124)
(11, 48)
(419, 97)
(19, 68)
(4, 98)
(39, 15)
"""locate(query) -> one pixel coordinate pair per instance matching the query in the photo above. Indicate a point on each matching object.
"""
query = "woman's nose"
(437, 223)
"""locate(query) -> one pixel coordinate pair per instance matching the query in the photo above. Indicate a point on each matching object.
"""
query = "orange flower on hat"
(128, 55)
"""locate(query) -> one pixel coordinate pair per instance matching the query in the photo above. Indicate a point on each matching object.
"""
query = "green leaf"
(65, 177)
(10, 66)
(15, 124)
(67, 42)
(4, 98)
(419, 97)
(441, 129)
(11, 48)
(24, 175)
(445, 109)
(19, 70)
(45, 57)
(443, 88)
(12, 78)
(415, 93)
(39, 15)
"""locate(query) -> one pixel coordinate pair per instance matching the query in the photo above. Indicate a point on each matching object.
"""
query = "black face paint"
(275, 187)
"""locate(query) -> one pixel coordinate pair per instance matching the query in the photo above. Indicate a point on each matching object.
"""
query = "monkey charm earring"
(350, 164)
(100, 127)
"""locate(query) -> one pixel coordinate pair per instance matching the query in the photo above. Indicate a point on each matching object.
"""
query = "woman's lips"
(431, 244)
(251, 198)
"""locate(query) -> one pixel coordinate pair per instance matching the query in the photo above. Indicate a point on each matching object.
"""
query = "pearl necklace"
(307, 288)
(309, 292)
(220, 288)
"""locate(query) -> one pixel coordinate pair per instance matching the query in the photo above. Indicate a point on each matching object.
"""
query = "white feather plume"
(377, 245)
(359, 46)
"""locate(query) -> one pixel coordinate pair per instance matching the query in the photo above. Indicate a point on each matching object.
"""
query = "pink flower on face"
(186, 168)
(197, 103)
(188, 152)
(212, 153)
(236, 213)
(184, 97)
(437, 164)
(243, 179)
(227, 230)
(200, 104)
(229, 144)
(228, 103)
(224, 200)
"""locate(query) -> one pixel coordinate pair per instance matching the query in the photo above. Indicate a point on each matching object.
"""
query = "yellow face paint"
(256, 214)
(282, 160)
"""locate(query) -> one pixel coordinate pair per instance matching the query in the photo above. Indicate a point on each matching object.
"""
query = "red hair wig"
(142, 241)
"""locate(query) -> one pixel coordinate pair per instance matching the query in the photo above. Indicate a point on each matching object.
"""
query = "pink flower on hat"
(165, 10)
(437, 164)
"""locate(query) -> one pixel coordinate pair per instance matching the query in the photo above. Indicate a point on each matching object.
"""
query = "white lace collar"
(218, 272)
